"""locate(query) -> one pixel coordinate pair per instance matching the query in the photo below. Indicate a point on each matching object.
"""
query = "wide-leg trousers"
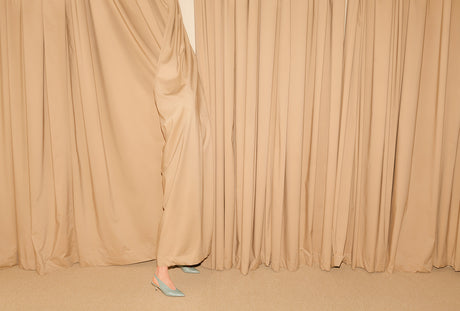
(150, 35)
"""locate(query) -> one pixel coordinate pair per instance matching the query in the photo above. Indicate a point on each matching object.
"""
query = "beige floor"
(309, 288)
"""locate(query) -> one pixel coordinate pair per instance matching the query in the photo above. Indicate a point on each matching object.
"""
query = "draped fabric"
(104, 136)
(337, 130)
(334, 128)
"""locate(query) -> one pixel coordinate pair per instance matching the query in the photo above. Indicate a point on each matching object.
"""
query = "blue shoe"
(166, 290)
(188, 269)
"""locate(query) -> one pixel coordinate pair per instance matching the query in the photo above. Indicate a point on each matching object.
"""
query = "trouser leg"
(180, 232)
(186, 225)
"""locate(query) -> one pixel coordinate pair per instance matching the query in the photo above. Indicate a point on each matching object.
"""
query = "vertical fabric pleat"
(37, 203)
(334, 132)
(81, 142)
(337, 132)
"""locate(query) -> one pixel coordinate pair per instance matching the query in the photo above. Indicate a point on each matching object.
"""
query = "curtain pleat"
(335, 128)
(337, 132)
(80, 138)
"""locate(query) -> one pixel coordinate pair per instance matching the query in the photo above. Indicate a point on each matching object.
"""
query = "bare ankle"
(163, 270)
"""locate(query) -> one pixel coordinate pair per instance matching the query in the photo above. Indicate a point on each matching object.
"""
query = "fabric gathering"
(104, 127)
(300, 133)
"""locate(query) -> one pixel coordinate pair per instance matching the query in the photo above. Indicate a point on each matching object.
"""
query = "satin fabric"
(337, 130)
(104, 136)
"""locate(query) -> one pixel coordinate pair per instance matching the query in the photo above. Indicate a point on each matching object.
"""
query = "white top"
(188, 15)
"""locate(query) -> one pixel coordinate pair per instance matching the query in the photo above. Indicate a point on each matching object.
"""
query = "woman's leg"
(186, 225)
(162, 273)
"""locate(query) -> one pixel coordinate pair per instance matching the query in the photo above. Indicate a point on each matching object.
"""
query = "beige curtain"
(102, 130)
(334, 126)
(337, 132)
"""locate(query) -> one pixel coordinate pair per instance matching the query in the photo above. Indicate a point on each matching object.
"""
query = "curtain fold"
(80, 138)
(335, 128)
(337, 132)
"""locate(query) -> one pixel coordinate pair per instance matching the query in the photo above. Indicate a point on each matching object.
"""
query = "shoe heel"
(165, 289)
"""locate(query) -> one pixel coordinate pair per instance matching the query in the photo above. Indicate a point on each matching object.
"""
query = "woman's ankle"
(162, 270)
